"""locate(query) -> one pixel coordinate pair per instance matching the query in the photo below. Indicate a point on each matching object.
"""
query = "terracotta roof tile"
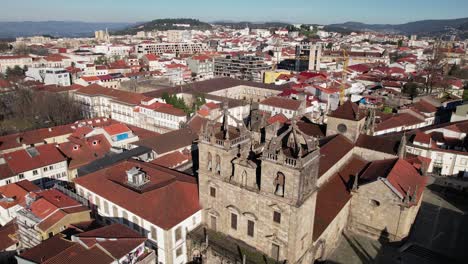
(169, 198)
(348, 111)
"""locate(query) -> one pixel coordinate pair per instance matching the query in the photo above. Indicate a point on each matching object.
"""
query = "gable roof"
(282, 102)
(332, 149)
(170, 141)
(348, 111)
(334, 195)
(22, 160)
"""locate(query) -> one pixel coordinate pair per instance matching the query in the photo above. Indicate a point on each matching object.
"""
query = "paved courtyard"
(439, 235)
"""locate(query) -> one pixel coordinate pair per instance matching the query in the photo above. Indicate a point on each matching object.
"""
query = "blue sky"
(297, 11)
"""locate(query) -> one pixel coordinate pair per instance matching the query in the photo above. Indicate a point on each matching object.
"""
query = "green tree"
(411, 89)
(400, 43)
(16, 72)
(101, 60)
(4, 47)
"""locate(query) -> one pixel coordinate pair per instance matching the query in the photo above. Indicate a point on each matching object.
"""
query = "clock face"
(342, 128)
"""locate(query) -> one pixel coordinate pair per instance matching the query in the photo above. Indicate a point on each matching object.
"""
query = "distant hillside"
(55, 28)
(164, 24)
(423, 27)
(253, 25)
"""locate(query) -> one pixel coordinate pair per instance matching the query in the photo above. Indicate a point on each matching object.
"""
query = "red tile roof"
(333, 149)
(17, 192)
(118, 95)
(169, 198)
(334, 195)
(40, 135)
(281, 102)
(47, 249)
(172, 160)
(8, 236)
(170, 141)
(116, 129)
(21, 161)
(90, 78)
(405, 178)
(52, 205)
(116, 239)
(348, 111)
(398, 120)
(277, 118)
(82, 151)
(422, 137)
(425, 107)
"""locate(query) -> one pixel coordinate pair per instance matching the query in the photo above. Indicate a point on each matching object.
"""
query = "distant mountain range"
(423, 27)
(55, 28)
(444, 27)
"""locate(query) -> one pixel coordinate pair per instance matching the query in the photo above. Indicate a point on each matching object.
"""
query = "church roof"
(348, 111)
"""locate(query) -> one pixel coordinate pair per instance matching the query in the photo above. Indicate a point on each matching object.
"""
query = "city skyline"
(299, 11)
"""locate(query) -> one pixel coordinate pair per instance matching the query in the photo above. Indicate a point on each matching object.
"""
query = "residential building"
(174, 48)
(161, 117)
(444, 147)
(106, 245)
(178, 36)
(248, 68)
(157, 202)
(14, 60)
(56, 76)
(202, 66)
(281, 105)
(43, 165)
(13, 199)
(47, 213)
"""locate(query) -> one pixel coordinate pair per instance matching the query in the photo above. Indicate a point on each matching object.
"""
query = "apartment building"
(202, 66)
(287, 107)
(160, 117)
(15, 60)
(174, 48)
(157, 202)
(179, 36)
(99, 101)
(43, 165)
(56, 76)
(444, 148)
(106, 245)
(248, 68)
(13, 198)
(47, 213)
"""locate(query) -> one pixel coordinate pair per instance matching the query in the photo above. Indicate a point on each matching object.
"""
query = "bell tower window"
(218, 164)
(279, 184)
(210, 162)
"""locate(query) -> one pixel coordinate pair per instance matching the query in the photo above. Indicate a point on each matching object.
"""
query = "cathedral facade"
(288, 195)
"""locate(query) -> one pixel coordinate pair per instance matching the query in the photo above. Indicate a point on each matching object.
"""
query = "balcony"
(147, 258)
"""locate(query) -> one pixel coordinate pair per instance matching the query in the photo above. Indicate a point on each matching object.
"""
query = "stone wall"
(372, 155)
(377, 211)
(330, 237)
(353, 127)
